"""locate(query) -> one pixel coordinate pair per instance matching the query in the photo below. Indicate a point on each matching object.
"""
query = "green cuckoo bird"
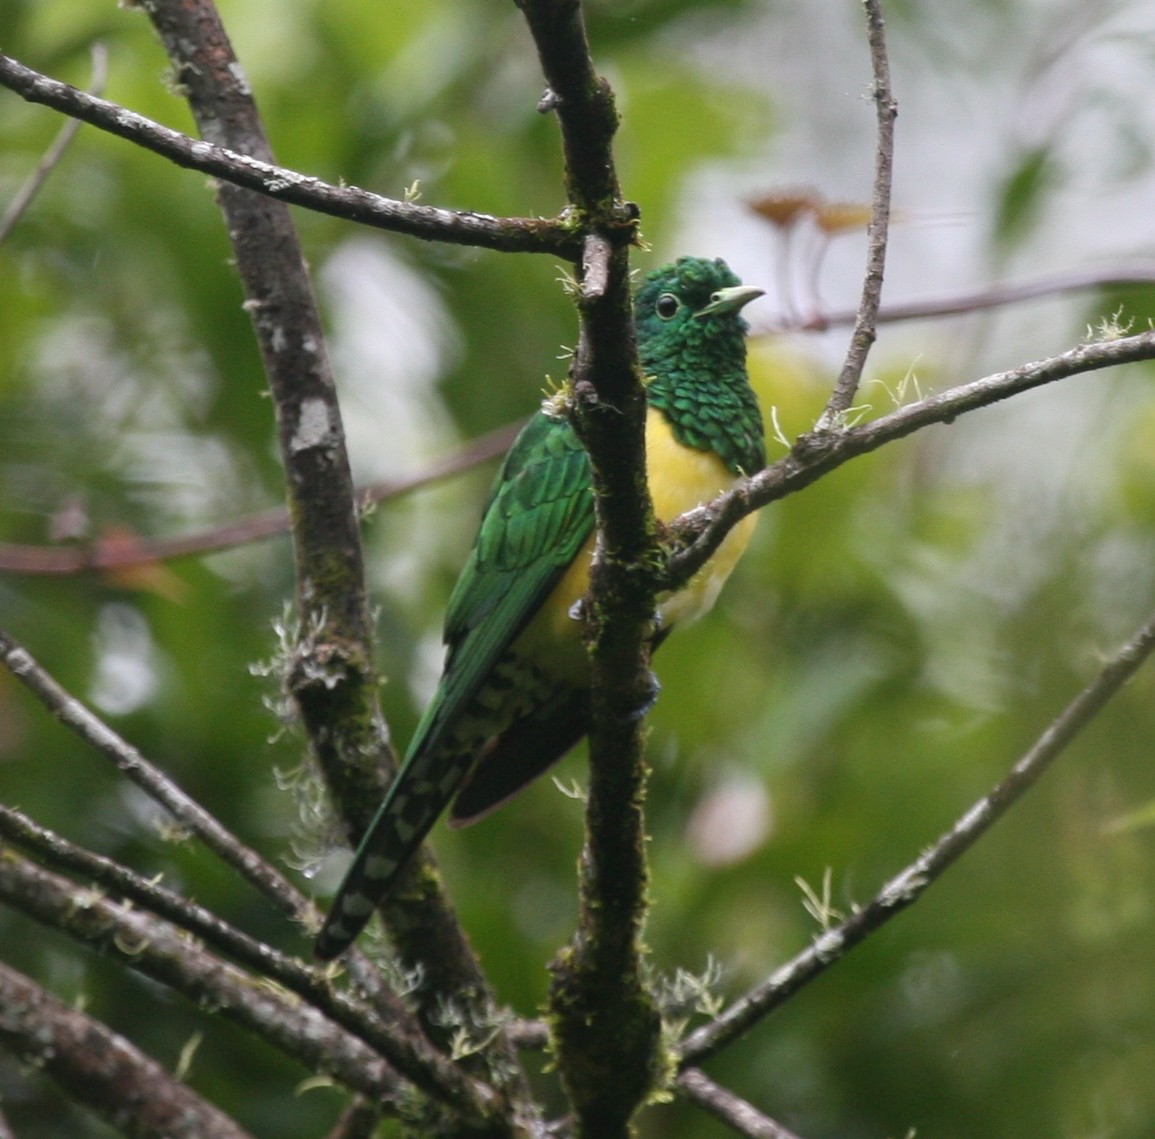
(514, 693)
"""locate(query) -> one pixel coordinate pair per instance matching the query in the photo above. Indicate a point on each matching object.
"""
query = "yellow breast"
(680, 479)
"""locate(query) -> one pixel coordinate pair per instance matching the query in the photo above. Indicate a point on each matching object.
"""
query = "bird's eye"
(667, 305)
(715, 298)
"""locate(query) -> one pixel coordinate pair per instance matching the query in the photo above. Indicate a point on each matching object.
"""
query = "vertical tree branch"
(333, 677)
(866, 319)
(606, 1025)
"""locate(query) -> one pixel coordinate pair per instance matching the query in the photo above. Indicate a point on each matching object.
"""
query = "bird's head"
(689, 304)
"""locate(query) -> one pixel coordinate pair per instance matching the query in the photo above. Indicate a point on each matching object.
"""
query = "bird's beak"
(731, 299)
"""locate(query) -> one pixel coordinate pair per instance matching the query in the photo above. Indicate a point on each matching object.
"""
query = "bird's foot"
(649, 698)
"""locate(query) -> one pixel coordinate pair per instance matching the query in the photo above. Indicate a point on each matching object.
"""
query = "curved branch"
(359, 1120)
(698, 533)
(909, 884)
(102, 1070)
(429, 223)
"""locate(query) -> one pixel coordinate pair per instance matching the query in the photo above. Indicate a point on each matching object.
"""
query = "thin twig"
(121, 552)
(190, 814)
(358, 1121)
(430, 223)
(908, 885)
(731, 1109)
(528, 1035)
(52, 156)
(992, 296)
(876, 234)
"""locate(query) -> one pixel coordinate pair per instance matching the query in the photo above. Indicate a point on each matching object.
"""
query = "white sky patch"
(125, 676)
(392, 339)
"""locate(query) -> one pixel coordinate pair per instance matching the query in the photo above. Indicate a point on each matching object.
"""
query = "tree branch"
(332, 677)
(605, 1023)
(158, 950)
(185, 810)
(697, 534)
(584, 105)
(908, 885)
(866, 321)
(262, 175)
(150, 779)
(26, 195)
(724, 1105)
(1138, 275)
(102, 1070)
(392, 1030)
(120, 552)
(358, 1121)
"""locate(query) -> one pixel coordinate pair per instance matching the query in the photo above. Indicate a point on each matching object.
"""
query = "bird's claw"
(653, 689)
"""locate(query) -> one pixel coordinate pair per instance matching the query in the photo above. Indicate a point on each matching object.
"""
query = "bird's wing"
(539, 515)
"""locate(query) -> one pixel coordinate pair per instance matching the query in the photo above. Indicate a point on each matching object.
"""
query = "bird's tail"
(419, 794)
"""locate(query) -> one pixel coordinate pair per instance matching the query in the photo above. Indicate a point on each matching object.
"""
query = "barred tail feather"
(526, 749)
(413, 804)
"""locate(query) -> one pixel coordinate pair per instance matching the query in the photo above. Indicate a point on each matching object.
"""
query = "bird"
(514, 694)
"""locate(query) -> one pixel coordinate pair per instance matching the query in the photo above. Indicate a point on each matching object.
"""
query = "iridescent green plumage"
(513, 697)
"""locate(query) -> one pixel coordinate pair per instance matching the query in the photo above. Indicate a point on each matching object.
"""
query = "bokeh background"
(897, 636)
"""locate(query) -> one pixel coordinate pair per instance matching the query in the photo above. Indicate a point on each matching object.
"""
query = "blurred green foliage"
(897, 636)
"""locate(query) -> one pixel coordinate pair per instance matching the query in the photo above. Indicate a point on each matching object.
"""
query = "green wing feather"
(539, 515)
